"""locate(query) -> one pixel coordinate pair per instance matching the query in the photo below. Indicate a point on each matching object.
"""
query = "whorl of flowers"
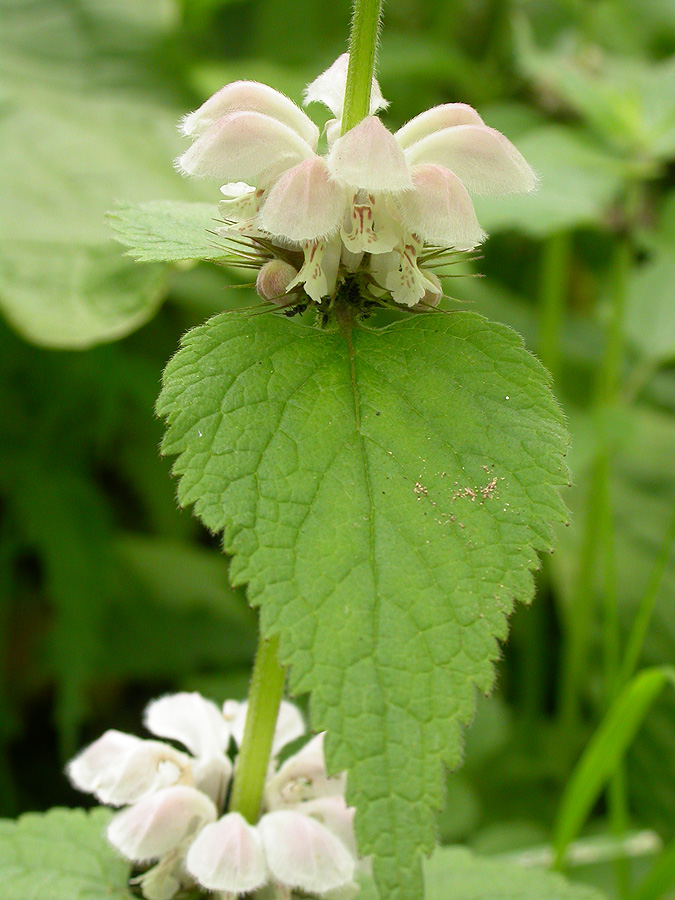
(175, 824)
(370, 212)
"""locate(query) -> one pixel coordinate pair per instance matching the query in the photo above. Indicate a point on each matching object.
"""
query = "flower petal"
(252, 97)
(446, 115)
(163, 881)
(241, 201)
(190, 719)
(148, 768)
(369, 157)
(290, 724)
(302, 854)
(303, 777)
(318, 275)
(212, 776)
(336, 816)
(370, 226)
(228, 856)
(440, 210)
(160, 822)
(329, 89)
(482, 158)
(244, 146)
(305, 204)
(399, 273)
(101, 760)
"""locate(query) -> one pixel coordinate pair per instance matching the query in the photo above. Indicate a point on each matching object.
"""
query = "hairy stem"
(264, 699)
(362, 46)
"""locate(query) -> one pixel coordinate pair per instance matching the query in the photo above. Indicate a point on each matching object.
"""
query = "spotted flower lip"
(372, 194)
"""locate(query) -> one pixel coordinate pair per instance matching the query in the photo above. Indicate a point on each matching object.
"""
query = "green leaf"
(66, 294)
(60, 855)
(630, 102)
(167, 231)
(183, 576)
(650, 311)
(453, 873)
(71, 146)
(383, 494)
(605, 750)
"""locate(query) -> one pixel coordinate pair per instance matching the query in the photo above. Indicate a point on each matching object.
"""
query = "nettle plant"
(382, 491)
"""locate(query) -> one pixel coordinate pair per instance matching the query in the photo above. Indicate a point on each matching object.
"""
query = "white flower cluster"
(175, 801)
(369, 205)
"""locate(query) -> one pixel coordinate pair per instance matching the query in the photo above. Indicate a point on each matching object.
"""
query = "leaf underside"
(383, 494)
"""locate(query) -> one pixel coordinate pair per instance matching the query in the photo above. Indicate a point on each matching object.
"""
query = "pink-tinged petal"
(305, 204)
(159, 822)
(440, 210)
(446, 115)
(190, 719)
(302, 853)
(329, 89)
(228, 856)
(290, 724)
(482, 158)
(369, 157)
(212, 776)
(101, 761)
(250, 96)
(244, 146)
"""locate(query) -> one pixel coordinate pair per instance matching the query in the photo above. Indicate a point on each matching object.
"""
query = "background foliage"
(109, 595)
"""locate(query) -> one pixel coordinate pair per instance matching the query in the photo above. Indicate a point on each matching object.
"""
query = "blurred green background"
(108, 594)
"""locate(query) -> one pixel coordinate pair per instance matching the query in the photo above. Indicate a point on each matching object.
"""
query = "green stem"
(579, 617)
(612, 362)
(362, 46)
(264, 700)
(555, 264)
(643, 616)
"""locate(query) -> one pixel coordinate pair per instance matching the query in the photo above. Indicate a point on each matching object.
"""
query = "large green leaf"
(383, 494)
(60, 855)
(69, 147)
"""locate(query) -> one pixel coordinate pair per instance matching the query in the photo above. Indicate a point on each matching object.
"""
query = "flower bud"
(273, 279)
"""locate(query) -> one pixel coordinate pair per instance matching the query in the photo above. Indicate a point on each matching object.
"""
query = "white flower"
(173, 801)
(373, 194)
